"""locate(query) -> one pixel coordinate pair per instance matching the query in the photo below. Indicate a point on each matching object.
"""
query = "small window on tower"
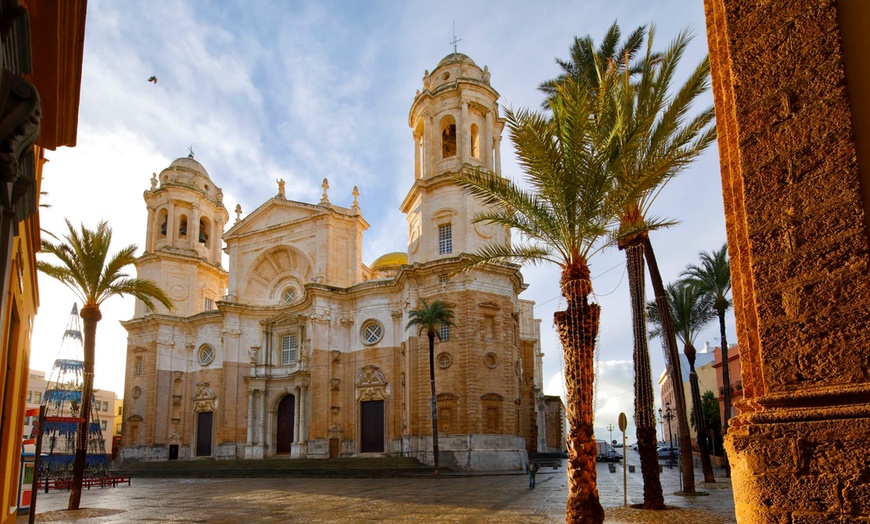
(209, 304)
(445, 239)
(139, 366)
(448, 141)
(182, 227)
(445, 332)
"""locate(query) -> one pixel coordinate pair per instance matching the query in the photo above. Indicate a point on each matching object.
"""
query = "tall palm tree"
(86, 268)
(690, 312)
(582, 64)
(563, 214)
(713, 277)
(431, 318)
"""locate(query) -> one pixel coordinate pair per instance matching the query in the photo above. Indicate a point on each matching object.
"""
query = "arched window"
(203, 231)
(162, 220)
(475, 141)
(182, 227)
(448, 137)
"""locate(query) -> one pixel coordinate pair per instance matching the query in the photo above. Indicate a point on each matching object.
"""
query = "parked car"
(667, 452)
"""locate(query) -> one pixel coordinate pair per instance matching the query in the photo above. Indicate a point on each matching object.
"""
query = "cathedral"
(300, 349)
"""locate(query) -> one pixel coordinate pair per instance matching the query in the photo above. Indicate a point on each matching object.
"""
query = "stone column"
(789, 80)
(417, 145)
(193, 228)
(250, 416)
(429, 152)
(261, 427)
(297, 410)
(497, 155)
(171, 221)
(303, 437)
(149, 232)
(464, 133)
(486, 144)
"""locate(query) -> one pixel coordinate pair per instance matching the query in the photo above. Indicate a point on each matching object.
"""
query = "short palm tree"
(431, 318)
(563, 214)
(713, 277)
(86, 268)
(690, 312)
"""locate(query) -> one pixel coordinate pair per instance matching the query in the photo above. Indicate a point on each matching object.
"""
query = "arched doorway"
(286, 423)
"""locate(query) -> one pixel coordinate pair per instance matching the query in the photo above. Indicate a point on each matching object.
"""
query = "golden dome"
(390, 261)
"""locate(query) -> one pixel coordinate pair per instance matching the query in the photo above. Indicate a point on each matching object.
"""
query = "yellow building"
(42, 63)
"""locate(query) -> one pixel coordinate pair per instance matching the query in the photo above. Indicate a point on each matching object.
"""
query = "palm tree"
(86, 268)
(563, 215)
(431, 318)
(582, 66)
(690, 312)
(713, 277)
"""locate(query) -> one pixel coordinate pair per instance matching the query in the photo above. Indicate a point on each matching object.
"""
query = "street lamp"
(610, 429)
(669, 415)
(662, 424)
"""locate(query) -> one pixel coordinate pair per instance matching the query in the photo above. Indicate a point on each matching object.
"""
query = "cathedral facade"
(300, 349)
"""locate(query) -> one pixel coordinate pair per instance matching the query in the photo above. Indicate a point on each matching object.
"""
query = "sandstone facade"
(299, 349)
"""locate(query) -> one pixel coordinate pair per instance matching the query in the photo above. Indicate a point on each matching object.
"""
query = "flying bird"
(153, 79)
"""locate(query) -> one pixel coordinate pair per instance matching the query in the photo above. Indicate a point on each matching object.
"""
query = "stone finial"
(238, 213)
(280, 187)
(153, 181)
(486, 74)
(324, 199)
(426, 80)
(355, 199)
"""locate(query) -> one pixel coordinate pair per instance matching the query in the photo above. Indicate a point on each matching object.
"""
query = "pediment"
(274, 213)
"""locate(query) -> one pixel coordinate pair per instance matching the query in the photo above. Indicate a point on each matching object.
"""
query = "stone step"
(279, 467)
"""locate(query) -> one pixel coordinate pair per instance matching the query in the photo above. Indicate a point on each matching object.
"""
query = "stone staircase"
(375, 467)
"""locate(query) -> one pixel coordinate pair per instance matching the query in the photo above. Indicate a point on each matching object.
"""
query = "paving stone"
(465, 499)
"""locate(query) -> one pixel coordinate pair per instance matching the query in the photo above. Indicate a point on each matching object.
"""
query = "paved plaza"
(500, 498)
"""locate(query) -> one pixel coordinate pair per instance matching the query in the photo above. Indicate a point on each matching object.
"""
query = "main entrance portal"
(203, 433)
(372, 426)
(286, 423)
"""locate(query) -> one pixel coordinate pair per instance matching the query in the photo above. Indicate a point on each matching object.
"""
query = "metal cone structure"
(62, 400)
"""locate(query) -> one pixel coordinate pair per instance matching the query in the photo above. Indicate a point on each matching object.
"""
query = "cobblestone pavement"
(449, 499)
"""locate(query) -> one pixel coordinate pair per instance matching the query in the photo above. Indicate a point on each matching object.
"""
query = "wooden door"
(372, 426)
(286, 423)
(203, 433)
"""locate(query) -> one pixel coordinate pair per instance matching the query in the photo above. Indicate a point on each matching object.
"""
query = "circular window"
(206, 355)
(490, 360)
(289, 295)
(445, 76)
(444, 360)
(372, 332)
(137, 391)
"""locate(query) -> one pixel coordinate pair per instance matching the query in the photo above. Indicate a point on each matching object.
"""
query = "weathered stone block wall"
(798, 241)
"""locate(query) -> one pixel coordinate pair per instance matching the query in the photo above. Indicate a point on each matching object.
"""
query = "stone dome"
(390, 261)
(454, 58)
(188, 163)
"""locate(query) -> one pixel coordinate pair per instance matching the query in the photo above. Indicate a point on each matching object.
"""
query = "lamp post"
(662, 424)
(669, 415)
(610, 429)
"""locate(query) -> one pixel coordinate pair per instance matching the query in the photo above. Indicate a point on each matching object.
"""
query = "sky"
(308, 90)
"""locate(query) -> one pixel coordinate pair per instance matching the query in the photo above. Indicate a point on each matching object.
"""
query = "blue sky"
(308, 90)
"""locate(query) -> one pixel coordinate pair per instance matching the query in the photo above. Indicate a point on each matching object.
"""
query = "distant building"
(104, 405)
(736, 380)
(706, 382)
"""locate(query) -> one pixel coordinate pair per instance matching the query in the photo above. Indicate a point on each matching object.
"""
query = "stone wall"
(798, 241)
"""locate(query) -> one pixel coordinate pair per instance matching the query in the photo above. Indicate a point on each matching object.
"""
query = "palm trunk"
(578, 329)
(726, 381)
(644, 397)
(674, 372)
(431, 335)
(90, 316)
(698, 408)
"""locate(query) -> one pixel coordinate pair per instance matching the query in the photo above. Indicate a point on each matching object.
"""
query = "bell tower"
(455, 127)
(183, 239)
